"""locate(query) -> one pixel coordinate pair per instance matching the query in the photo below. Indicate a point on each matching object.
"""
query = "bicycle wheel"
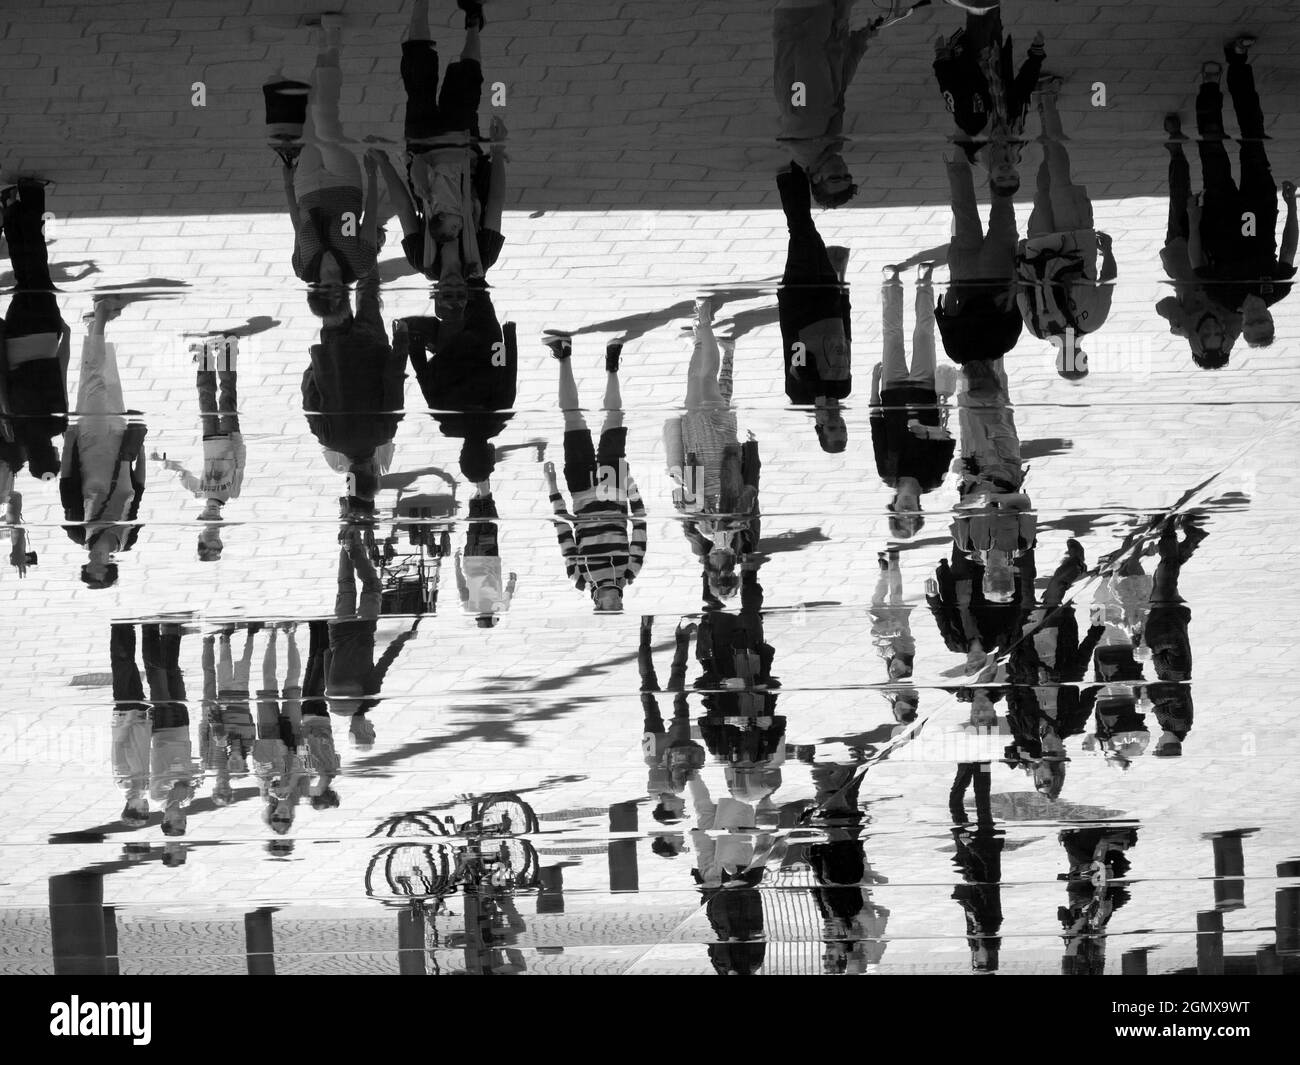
(416, 823)
(415, 870)
(506, 814)
(511, 863)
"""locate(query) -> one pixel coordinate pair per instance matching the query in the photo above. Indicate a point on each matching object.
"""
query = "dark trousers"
(806, 260)
(1180, 189)
(33, 308)
(1256, 191)
(313, 682)
(218, 402)
(161, 652)
(128, 691)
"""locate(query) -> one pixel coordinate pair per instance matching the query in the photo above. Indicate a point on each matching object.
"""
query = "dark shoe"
(613, 355)
(473, 9)
(560, 343)
(1074, 551)
(1238, 49)
(1174, 127)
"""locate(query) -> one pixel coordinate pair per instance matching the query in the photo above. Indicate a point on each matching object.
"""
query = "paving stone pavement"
(642, 166)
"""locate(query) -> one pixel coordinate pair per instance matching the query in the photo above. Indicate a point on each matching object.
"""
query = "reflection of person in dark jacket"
(1232, 241)
(979, 860)
(352, 393)
(813, 305)
(1096, 887)
(467, 365)
(1210, 331)
(353, 678)
(853, 924)
(1166, 636)
(987, 97)
(670, 754)
(908, 421)
(34, 339)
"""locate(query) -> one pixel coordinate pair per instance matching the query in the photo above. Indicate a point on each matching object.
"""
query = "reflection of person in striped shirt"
(601, 555)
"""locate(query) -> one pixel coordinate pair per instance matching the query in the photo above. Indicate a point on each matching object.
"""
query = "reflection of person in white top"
(478, 570)
(224, 453)
(705, 460)
(103, 470)
(1061, 293)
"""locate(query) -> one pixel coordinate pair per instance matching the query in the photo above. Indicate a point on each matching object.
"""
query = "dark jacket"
(352, 392)
(966, 91)
(899, 452)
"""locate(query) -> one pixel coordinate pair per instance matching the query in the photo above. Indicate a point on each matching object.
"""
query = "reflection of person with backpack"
(102, 478)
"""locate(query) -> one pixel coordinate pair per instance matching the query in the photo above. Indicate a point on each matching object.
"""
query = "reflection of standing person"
(152, 749)
(1096, 887)
(813, 306)
(977, 317)
(1209, 330)
(1233, 245)
(853, 923)
(1166, 636)
(891, 627)
(450, 209)
(483, 593)
(336, 228)
(603, 536)
(995, 524)
(34, 339)
(101, 481)
(716, 478)
(353, 678)
(979, 860)
(912, 445)
(670, 753)
(815, 55)
(467, 366)
(1061, 293)
(986, 96)
(352, 394)
(224, 453)
(320, 756)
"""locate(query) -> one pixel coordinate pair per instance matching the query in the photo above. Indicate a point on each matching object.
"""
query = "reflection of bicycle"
(491, 862)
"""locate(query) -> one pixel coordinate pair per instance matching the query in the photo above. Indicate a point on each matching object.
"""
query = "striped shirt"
(594, 540)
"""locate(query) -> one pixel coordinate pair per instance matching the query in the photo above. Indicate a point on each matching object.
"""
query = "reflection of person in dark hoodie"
(352, 392)
(34, 339)
(467, 365)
